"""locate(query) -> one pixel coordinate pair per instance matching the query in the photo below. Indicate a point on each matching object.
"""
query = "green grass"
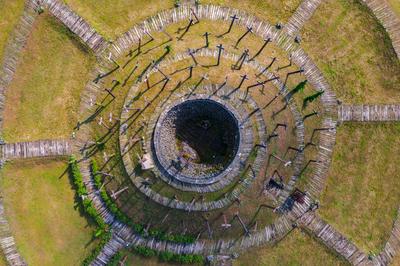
(3, 261)
(395, 4)
(44, 96)
(112, 18)
(39, 203)
(297, 248)
(10, 12)
(361, 196)
(354, 52)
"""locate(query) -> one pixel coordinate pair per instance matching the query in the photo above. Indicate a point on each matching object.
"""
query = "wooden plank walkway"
(7, 242)
(123, 235)
(316, 182)
(389, 20)
(369, 113)
(264, 30)
(303, 13)
(115, 244)
(41, 148)
(333, 239)
(76, 24)
(12, 54)
(13, 50)
(392, 246)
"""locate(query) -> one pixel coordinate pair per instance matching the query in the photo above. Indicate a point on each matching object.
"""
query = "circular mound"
(195, 116)
(196, 140)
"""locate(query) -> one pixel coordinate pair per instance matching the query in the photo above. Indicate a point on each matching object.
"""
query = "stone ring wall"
(245, 145)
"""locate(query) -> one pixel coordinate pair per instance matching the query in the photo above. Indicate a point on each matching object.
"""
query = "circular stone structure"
(152, 106)
(196, 141)
(236, 128)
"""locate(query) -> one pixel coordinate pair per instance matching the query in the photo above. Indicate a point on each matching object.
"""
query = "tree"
(300, 87)
(311, 98)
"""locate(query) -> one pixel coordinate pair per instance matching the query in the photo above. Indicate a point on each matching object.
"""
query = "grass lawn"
(395, 4)
(354, 52)
(297, 248)
(43, 99)
(39, 203)
(112, 18)
(10, 12)
(361, 197)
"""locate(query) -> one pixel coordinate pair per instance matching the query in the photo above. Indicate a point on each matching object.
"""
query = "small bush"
(145, 251)
(102, 231)
(138, 228)
(166, 256)
(114, 261)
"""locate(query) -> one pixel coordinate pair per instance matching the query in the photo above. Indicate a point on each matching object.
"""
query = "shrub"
(166, 256)
(96, 251)
(102, 231)
(114, 261)
(145, 251)
(77, 177)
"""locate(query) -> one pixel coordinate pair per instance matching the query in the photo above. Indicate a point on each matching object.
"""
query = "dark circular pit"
(200, 138)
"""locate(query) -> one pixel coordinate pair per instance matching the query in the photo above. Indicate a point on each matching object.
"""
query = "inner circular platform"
(196, 140)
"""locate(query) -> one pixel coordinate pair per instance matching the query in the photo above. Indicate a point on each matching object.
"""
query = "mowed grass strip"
(11, 10)
(354, 52)
(361, 197)
(43, 99)
(40, 206)
(273, 11)
(112, 18)
(297, 248)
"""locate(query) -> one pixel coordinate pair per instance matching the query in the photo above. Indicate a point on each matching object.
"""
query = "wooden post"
(242, 224)
(165, 217)
(220, 49)
(114, 195)
(180, 38)
(249, 30)
(101, 76)
(221, 86)
(206, 38)
(286, 163)
(129, 76)
(225, 225)
(191, 53)
(278, 125)
(234, 17)
(310, 115)
(292, 73)
(270, 102)
(266, 41)
(306, 166)
(274, 114)
(197, 85)
(289, 65)
(239, 63)
(266, 68)
(244, 77)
